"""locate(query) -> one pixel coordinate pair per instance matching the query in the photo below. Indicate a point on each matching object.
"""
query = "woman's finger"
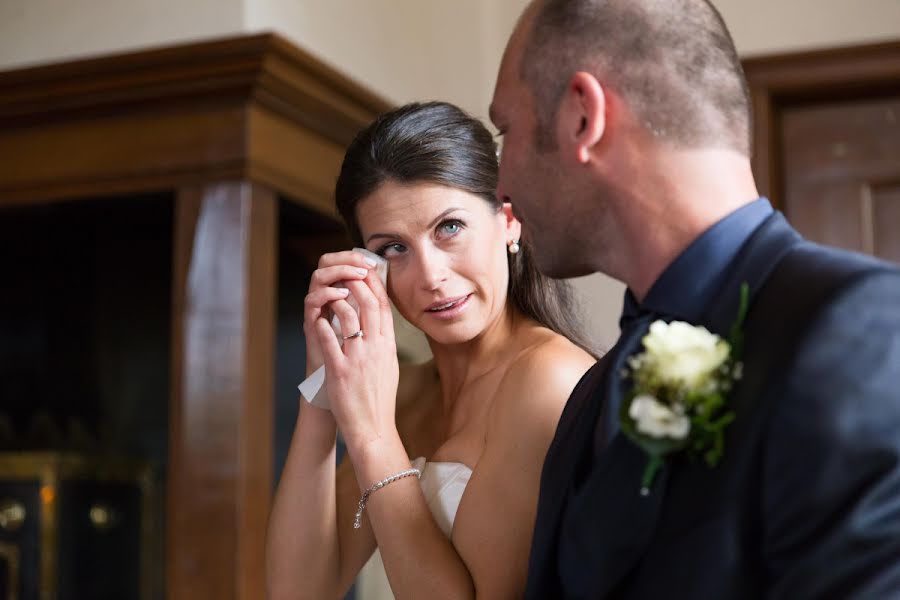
(331, 349)
(380, 303)
(384, 302)
(328, 276)
(350, 322)
(369, 318)
(315, 301)
(346, 257)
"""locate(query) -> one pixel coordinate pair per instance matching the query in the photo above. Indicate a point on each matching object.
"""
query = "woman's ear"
(513, 226)
(582, 115)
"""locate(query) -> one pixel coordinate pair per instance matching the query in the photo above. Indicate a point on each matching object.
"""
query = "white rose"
(683, 354)
(657, 420)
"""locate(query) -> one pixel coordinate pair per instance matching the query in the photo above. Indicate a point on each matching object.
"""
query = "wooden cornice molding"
(802, 73)
(254, 107)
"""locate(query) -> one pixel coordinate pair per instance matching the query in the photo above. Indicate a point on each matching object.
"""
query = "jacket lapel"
(753, 265)
(607, 522)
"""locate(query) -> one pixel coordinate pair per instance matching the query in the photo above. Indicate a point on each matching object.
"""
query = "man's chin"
(559, 267)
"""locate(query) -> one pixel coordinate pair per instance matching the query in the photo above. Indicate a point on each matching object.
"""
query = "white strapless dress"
(443, 484)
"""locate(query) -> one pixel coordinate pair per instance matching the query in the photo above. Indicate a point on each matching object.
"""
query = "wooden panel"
(220, 474)
(779, 82)
(132, 152)
(160, 119)
(264, 67)
(830, 141)
(886, 221)
(815, 72)
(828, 213)
(765, 152)
(286, 157)
(838, 160)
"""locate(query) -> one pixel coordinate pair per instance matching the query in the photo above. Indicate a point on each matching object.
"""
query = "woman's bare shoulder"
(549, 360)
(539, 380)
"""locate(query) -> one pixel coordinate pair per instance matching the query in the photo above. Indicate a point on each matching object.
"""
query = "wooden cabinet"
(243, 137)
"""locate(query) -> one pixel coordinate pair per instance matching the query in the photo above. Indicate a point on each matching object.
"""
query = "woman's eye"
(389, 250)
(451, 227)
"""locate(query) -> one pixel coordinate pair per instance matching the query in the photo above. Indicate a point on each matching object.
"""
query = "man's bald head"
(672, 61)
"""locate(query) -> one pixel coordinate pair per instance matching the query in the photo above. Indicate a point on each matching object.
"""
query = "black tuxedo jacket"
(806, 501)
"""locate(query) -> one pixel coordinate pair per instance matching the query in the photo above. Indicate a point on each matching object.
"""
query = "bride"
(444, 465)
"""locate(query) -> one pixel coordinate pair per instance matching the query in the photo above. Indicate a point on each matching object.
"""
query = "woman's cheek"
(397, 294)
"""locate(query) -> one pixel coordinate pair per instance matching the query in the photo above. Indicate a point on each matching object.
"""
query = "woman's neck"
(458, 365)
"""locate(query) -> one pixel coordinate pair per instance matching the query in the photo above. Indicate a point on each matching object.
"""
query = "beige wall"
(405, 49)
(767, 26)
(37, 31)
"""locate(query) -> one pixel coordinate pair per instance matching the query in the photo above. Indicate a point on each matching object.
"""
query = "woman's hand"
(361, 377)
(337, 267)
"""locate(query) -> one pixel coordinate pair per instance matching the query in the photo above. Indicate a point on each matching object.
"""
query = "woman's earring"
(514, 247)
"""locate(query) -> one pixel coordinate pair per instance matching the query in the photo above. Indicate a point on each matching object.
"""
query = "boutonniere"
(679, 400)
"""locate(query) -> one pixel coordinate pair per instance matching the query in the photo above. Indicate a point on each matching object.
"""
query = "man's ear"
(582, 115)
(513, 226)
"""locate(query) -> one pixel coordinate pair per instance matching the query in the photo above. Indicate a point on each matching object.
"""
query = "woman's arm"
(302, 547)
(306, 554)
(362, 385)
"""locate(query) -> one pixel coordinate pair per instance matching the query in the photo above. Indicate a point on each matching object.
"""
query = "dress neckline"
(440, 462)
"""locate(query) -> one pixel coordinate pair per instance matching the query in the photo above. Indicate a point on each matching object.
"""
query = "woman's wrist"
(311, 368)
(376, 458)
(318, 423)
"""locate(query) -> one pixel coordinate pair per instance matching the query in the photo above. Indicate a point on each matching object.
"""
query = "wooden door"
(827, 143)
(841, 165)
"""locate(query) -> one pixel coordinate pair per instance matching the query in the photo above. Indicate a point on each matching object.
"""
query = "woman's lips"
(449, 308)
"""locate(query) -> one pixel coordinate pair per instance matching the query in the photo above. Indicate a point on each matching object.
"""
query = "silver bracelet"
(357, 521)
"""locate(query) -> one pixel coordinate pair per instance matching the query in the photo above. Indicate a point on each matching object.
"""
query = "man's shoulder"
(825, 320)
(813, 278)
(817, 305)
(816, 260)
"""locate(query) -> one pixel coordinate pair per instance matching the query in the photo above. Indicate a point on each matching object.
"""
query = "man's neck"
(686, 193)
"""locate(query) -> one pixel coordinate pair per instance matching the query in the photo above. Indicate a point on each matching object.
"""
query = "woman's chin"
(452, 334)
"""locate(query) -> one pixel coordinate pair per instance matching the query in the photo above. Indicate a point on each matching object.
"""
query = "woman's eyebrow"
(434, 222)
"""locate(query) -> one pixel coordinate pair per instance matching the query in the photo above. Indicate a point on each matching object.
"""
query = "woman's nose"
(432, 268)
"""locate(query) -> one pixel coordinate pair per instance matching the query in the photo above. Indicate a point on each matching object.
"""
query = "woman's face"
(446, 249)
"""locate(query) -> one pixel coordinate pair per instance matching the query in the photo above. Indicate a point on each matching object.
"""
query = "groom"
(626, 151)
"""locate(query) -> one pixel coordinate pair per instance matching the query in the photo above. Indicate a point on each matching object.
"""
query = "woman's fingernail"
(362, 272)
(371, 261)
(343, 291)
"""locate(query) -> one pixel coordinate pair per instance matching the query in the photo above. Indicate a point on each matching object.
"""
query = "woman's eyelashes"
(390, 249)
(449, 228)
(445, 230)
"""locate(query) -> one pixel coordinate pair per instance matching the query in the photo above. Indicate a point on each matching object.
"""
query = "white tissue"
(313, 387)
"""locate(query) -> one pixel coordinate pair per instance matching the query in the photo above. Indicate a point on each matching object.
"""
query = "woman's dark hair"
(437, 142)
